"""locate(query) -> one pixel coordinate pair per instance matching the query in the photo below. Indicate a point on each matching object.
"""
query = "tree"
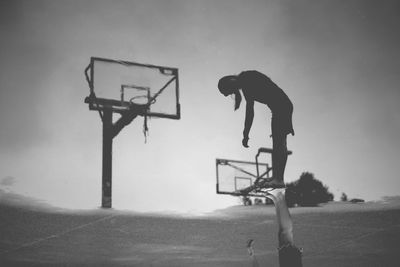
(307, 191)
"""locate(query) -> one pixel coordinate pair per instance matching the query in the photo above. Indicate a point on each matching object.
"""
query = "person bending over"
(256, 86)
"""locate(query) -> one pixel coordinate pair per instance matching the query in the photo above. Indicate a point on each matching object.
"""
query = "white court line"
(29, 244)
(338, 226)
(350, 240)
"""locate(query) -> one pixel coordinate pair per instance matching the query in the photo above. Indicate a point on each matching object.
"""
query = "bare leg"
(289, 254)
(285, 233)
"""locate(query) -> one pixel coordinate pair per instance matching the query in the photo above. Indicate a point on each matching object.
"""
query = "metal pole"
(107, 159)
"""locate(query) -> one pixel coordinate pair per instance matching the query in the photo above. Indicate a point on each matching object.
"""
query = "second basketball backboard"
(233, 176)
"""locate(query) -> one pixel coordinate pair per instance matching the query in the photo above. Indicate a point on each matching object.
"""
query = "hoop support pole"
(107, 159)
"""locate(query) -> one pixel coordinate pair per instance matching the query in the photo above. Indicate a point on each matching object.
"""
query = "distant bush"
(247, 201)
(307, 191)
(258, 201)
(357, 200)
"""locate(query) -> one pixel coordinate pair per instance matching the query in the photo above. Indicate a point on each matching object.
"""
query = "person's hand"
(245, 141)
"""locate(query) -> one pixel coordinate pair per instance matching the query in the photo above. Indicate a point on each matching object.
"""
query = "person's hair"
(238, 99)
(226, 85)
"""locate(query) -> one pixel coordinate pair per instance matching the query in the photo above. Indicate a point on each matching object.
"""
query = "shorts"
(281, 123)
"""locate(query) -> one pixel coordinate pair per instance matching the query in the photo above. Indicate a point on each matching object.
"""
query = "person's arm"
(248, 121)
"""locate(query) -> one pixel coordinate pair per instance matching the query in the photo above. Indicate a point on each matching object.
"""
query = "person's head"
(228, 85)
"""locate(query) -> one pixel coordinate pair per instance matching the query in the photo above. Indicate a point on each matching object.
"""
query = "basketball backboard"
(234, 176)
(245, 178)
(117, 84)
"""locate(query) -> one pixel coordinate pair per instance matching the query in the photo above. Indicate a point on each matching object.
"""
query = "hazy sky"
(337, 60)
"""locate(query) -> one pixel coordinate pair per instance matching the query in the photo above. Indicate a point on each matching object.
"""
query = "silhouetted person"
(256, 86)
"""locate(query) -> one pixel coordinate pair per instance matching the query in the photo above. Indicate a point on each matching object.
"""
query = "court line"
(350, 240)
(338, 226)
(29, 244)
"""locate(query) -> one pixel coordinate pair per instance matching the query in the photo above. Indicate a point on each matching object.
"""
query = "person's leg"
(285, 233)
(279, 157)
(279, 129)
(289, 254)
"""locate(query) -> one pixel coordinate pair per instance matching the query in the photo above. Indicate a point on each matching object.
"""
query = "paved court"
(330, 237)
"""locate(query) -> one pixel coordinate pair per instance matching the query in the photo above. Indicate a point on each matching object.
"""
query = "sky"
(338, 61)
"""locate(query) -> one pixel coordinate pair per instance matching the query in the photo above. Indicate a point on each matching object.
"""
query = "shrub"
(307, 191)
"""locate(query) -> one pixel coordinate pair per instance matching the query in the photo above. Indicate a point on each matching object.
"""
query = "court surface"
(337, 234)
